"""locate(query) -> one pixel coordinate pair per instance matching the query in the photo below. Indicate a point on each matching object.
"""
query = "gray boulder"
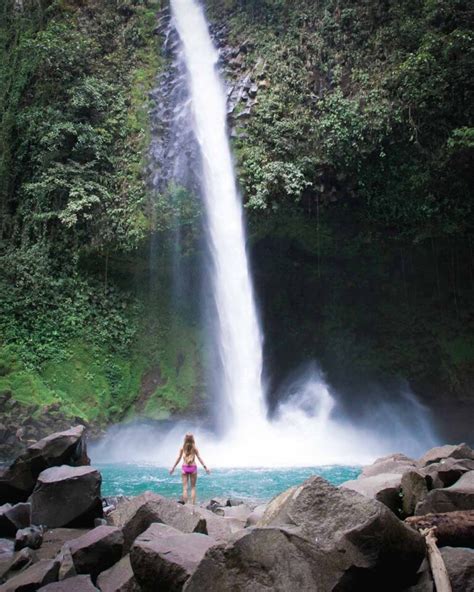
(459, 562)
(14, 517)
(460, 451)
(217, 527)
(268, 560)
(118, 578)
(384, 487)
(414, 490)
(137, 514)
(31, 537)
(32, 578)
(67, 496)
(366, 538)
(256, 515)
(446, 472)
(164, 554)
(96, 550)
(394, 463)
(459, 496)
(74, 584)
(18, 480)
(238, 512)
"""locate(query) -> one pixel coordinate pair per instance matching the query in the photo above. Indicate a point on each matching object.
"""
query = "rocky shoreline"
(58, 533)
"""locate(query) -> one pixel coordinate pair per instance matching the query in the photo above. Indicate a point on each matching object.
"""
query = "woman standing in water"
(189, 453)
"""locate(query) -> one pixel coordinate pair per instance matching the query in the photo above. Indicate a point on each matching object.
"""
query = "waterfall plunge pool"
(253, 484)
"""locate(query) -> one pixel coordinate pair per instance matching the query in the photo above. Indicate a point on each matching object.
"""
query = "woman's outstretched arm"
(202, 462)
(177, 461)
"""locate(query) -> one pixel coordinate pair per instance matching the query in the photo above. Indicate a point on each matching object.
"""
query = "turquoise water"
(251, 484)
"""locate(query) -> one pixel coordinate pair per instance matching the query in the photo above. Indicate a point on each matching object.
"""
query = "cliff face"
(352, 129)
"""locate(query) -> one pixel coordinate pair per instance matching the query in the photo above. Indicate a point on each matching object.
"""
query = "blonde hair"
(189, 448)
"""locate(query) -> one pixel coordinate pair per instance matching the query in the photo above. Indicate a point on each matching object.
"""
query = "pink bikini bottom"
(189, 469)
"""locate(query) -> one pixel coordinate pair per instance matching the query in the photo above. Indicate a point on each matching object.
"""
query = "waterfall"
(237, 329)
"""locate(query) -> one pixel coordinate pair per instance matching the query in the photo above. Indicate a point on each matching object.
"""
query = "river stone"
(395, 463)
(166, 555)
(96, 550)
(459, 496)
(75, 584)
(384, 487)
(268, 560)
(414, 490)
(32, 578)
(67, 496)
(18, 480)
(461, 451)
(459, 562)
(446, 472)
(14, 517)
(136, 515)
(367, 539)
(118, 578)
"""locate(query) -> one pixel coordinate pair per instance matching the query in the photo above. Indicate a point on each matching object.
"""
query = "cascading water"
(308, 428)
(238, 334)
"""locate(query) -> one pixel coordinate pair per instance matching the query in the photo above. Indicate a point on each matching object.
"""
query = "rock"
(164, 554)
(66, 564)
(414, 490)
(100, 521)
(424, 580)
(461, 451)
(39, 574)
(96, 550)
(459, 496)
(459, 562)
(66, 496)
(384, 487)
(54, 541)
(240, 512)
(395, 463)
(7, 549)
(31, 537)
(446, 472)
(233, 501)
(217, 527)
(268, 560)
(14, 517)
(118, 578)
(23, 559)
(19, 479)
(75, 584)
(256, 515)
(136, 515)
(366, 538)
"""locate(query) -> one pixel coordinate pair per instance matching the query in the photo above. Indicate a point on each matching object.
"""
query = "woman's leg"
(184, 478)
(194, 477)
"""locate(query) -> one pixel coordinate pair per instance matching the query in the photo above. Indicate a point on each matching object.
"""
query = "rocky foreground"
(60, 535)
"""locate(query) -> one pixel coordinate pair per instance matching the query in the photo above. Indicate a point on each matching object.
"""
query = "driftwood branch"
(454, 529)
(438, 568)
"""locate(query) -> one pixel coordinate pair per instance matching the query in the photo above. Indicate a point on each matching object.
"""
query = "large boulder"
(18, 480)
(368, 540)
(435, 455)
(268, 560)
(218, 527)
(96, 550)
(67, 496)
(118, 578)
(39, 574)
(384, 487)
(75, 584)
(414, 490)
(256, 515)
(14, 517)
(137, 514)
(164, 554)
(395, 463)
(459, 496)
(459, 562)
(446, 472)
(31, 537)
